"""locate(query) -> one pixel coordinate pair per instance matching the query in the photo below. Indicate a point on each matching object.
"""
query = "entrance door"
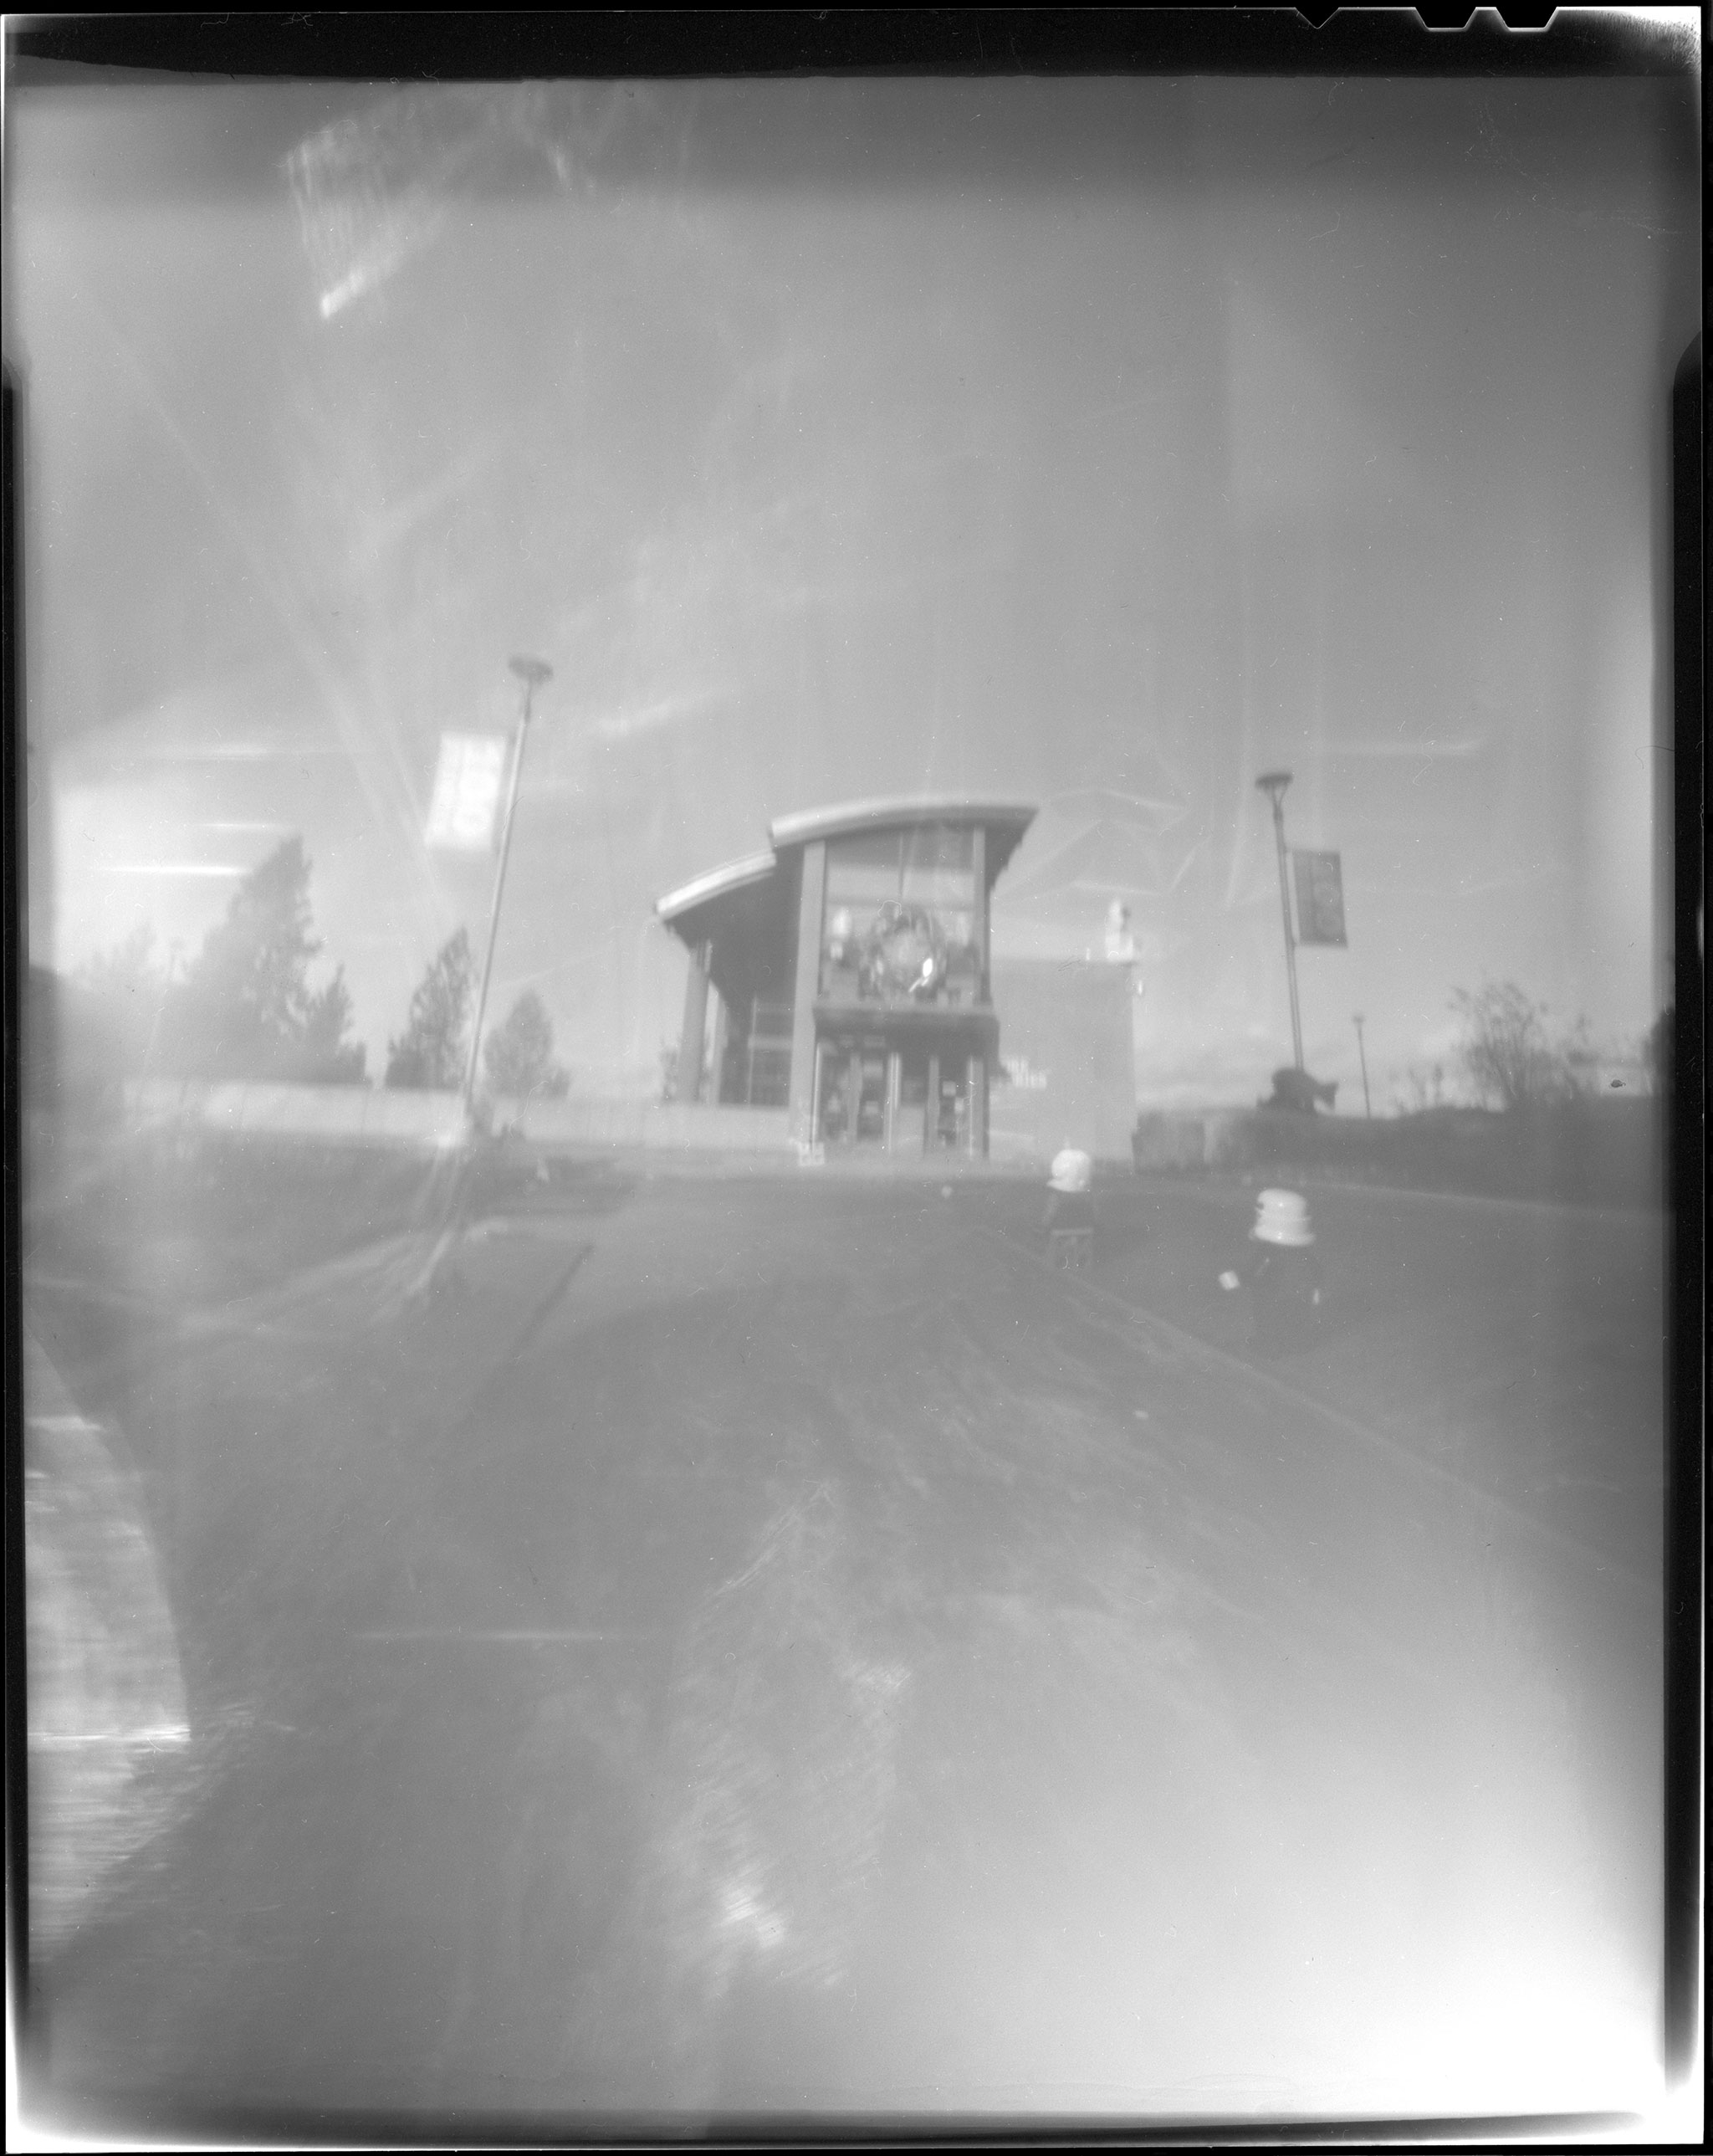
(871, 1097)
(909, 1118)
(950, 1130)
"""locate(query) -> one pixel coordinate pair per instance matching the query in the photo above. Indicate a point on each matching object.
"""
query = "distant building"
(844, 976)
(1067, 1064)
(850, 966)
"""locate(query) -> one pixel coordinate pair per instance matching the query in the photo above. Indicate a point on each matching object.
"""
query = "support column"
(979, 920)
(722, 1031)
(930, 1121)
(978, 1107)
(690, 1039)
(812, 898)
(894, 1086)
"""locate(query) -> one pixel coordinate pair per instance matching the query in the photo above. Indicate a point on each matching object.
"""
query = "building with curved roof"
(849, 970)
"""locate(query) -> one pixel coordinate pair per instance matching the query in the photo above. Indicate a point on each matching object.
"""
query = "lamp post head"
(1273, 782)
(534, 671)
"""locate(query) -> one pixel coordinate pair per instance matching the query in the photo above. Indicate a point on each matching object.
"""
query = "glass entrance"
(951, 1131)
(912, 1096)
(853, 1092)
(910, 1117)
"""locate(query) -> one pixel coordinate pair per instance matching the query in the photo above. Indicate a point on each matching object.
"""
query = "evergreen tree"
(245, 1008)
(430, 1052)
(327, 1058)
(519, 1055)
(133, 988)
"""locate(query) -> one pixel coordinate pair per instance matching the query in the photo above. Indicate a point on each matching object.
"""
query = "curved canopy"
(717, 884)
(1004, 821)
(746, 912)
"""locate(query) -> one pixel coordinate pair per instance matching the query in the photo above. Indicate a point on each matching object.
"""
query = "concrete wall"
(1065, 1035)
(1216, 1137)
(356, 1113)
(369, 1116)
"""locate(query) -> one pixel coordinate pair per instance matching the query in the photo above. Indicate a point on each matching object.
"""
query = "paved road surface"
(758, 1642)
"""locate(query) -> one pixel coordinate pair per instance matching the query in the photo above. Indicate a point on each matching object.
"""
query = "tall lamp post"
(532, 672)
(1367, 1105)
(1272, 784)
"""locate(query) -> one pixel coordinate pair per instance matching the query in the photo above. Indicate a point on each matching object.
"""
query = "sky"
(1095, 444)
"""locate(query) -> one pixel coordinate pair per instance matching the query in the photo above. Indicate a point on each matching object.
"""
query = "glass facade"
(755, 1069)
(902, 922)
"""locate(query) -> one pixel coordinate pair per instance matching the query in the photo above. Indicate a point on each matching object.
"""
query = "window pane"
(937, 887)
(941, 846)
(862, 882)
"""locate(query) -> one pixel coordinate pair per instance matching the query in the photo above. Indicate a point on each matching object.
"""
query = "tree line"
(243, 1010)
(1519, 1060)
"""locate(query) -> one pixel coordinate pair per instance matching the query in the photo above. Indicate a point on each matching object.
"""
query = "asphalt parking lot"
(756, 1642)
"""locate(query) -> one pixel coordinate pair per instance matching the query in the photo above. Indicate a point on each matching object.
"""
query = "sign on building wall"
(466, 785)
(1319, 898)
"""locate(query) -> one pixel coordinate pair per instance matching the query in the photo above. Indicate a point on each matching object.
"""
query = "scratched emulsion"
(108, 1739)
(779, 1770)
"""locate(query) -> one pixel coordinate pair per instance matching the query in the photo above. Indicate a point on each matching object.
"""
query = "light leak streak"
(171, 869)
(484, 1635)
(249, 752)
(1413, 752)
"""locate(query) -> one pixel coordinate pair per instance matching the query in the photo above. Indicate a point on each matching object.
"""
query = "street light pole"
(1367, 1105)
(1272, 784)
(532, 672)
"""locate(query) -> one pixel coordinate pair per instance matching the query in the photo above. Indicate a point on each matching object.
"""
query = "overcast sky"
(1097, 444)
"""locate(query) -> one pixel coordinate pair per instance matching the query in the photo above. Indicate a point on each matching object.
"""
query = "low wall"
(1597, 1151)
(1219, 1137)
(698, 1126)
(360, 1114)
(370, 1116)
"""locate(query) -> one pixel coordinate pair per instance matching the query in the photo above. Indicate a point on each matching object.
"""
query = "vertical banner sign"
(1319, 898)
(467, 787)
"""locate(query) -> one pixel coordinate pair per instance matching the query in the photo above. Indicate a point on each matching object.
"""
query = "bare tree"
(1426, 1090)
(1508, 1050)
